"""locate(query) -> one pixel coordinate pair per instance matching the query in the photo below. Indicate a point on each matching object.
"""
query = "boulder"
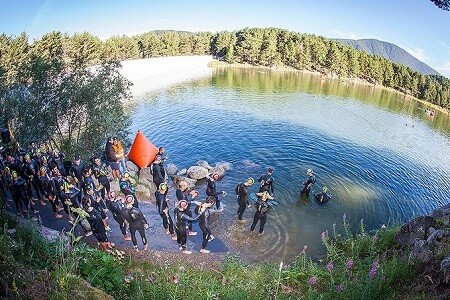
(182, 172)
(204, 164)
(445, 269)
(421, 251)
(441, 211)
(171, 169)
(131, 167)
(145, 176)
(437, 235)
(197, 172)
(415, 229)
(191, 182)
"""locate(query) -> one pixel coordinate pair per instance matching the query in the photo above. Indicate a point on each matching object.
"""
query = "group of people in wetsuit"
(84, 193)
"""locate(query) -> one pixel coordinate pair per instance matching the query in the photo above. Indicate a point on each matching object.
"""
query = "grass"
(357, 266)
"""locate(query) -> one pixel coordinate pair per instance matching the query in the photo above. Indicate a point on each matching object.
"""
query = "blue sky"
(418, 26)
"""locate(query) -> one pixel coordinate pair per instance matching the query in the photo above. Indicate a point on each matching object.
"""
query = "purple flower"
(344, 217)
(340, 288)
(176, 279)
(304, 249)
(323, 236)
(330, 266)
(374, 269)
(349, 264)
(312, 281)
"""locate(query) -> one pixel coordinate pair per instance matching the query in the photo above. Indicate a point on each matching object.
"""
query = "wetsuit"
(308, 184)
(242, 198)
(20, 195)
(163, 210)
(127, 188)
(203, 222)
(266, 183)
(182, 219)
(211, 191)
(29, 170)
(184, 195)
(136, 221)
(101, 172)
(117, 209)
(158, 173)
(76, 171)
(322, 197)
(97, 226)
(260, 215)
(59, 162)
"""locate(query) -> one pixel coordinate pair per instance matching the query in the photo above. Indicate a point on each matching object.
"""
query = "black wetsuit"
(211, 190)
(20, 195)
(136, 221)
(29, 170)
(127, 188)
(322, 197)
(158, 173)
(308, 184)
(260, 215)
(59, 162)
(161, 204)
(101, 172)
(184, 195)
(117, 209)
(97, 226)
(182, 219)
(242, 199)
(76, 171)
(203, 222)
(266, 183)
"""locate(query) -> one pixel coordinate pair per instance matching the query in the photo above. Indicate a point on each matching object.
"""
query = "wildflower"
(349, 264)
(304, 249)
(281, 267)
(176, 279)
(374, 269)
(344, 217)
(323, 236)
(330, 266)
(362, 221)
(312, 281)
(340, 288)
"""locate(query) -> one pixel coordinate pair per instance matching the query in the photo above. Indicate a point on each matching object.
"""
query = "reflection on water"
(378, 155)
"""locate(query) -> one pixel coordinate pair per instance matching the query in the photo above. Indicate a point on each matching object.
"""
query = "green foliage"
(100, 269)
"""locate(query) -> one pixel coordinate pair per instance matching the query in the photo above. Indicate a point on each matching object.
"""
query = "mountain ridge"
(390, 51)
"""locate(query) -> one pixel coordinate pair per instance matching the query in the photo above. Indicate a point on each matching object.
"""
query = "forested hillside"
(390, 51)
(256, 46)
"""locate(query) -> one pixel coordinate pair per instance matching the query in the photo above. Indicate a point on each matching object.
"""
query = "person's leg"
(133, 237)
(256, 218)
(143, 237)
(262, 222)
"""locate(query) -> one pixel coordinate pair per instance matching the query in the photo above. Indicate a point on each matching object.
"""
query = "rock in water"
(171, 169)
(191, 182)
(182, 172)
(204, 164)
(415, 229)
(197, 172)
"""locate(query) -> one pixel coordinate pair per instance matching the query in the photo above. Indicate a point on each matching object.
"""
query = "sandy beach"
(157, 73)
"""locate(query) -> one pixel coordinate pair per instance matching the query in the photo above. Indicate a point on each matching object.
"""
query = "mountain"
(390, 51)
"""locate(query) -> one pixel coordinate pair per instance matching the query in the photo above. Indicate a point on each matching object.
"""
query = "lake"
(381, 157)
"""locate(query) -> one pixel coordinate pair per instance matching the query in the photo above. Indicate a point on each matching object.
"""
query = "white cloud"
(345, 35)
(444, 69)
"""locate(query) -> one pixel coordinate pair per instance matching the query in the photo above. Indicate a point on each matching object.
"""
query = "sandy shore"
(157, 73)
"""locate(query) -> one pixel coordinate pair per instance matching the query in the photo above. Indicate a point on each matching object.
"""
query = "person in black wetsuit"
(101, 171)
(323, 196)
(262, 206)
(157, 170)
(183, 193)
(20, 195)
(242, 197)
(163, 209)
(76, 171)
(203, 222)
(127, 187)
(211, 189)
(117, 208)
(181, 224)
(266, 182)
(96, 224)
(136, 222)
(308, 183)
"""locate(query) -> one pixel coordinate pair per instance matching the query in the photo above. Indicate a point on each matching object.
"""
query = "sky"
(417, 26)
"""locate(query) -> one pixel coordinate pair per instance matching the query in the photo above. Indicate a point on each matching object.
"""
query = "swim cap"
(250, 181)
(43, 169)
(309, 171)
(111, 193)
(14, 175)
(129, 199)
(162, 187)
(126, 174)
(324, 189)
(215, 175)
(182, 204)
